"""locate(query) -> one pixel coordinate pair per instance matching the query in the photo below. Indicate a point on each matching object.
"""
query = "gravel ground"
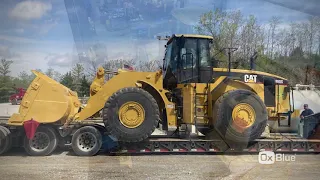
(64, 165)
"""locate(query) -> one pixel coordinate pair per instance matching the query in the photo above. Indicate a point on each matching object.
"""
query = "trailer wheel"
(240, 116)
(9, 137)
(5, 139)
(131, 114)
(86, 141)
(44, 142)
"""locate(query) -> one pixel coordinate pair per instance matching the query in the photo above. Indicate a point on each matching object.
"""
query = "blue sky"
(37, 34)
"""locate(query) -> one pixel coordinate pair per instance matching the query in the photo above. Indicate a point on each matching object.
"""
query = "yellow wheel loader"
(229, 107)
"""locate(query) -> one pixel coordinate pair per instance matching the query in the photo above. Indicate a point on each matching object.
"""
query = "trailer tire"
(9, 136)
(224, 123)
(35, 148)
(145, 105)
(86, 141)
(5, 140)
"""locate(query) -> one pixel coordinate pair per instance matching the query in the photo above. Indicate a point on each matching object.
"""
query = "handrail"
(305, 87)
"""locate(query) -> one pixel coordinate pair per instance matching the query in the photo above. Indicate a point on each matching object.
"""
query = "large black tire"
(86, 141)
(111, 115)
(43, 143)
(9, 137)
(5, 139)
(223, 116)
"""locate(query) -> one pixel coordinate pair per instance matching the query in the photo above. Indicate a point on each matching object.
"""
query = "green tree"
(67, 80)
(39, 70)
(77, 72)
(50, 72)
(85, 87)
(24, 79)
(6, 86)
(53, 74)
(211, 23)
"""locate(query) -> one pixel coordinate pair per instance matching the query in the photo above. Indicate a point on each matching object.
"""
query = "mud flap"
(30, 127)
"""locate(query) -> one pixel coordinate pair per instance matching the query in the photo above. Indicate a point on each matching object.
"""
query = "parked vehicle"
(16, 98)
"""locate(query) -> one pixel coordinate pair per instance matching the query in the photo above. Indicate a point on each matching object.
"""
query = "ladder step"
(201, 105)
(204, 116)
(201, 94)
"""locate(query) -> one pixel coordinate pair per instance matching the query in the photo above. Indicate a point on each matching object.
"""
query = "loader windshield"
(185, 60)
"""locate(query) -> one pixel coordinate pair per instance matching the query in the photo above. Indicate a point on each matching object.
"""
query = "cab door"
(189, 65)
(269, 92)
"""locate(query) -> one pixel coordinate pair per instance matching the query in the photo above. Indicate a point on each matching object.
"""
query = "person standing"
(307, 111)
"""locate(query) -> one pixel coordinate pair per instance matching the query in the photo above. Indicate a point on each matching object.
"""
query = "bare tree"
(282, 51)
(77, 73)
(274, 22)
(114, 65)
(149, 66)
(248, 34)
(53, 74)
(311, 31)
(50, 72)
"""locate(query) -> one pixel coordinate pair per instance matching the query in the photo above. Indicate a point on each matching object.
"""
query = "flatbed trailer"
(160, 144)
(201, 145)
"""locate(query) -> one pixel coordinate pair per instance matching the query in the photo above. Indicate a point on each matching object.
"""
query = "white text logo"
(266, 157)
(250, 78)
(279, 81)
(269, 157)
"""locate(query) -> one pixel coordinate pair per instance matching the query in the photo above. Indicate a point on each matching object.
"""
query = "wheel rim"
(86, 141)
(131, 114)
(40, 141)
(243, 115)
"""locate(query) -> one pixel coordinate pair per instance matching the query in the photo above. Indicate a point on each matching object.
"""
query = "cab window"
(204, 53)
(188, 54)
(174, 55)
(167, 56)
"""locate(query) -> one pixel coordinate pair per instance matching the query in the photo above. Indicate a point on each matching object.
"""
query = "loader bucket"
(46, 101)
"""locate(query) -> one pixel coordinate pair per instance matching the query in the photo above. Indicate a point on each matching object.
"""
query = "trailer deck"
(276, 142)
(201, 145)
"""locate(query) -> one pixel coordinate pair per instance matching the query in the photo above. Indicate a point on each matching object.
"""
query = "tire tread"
(117, 132)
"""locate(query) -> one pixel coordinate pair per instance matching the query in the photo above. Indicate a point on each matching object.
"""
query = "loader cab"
(187, 60)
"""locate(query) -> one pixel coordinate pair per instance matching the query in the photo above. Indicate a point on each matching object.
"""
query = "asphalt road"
(64, 165)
